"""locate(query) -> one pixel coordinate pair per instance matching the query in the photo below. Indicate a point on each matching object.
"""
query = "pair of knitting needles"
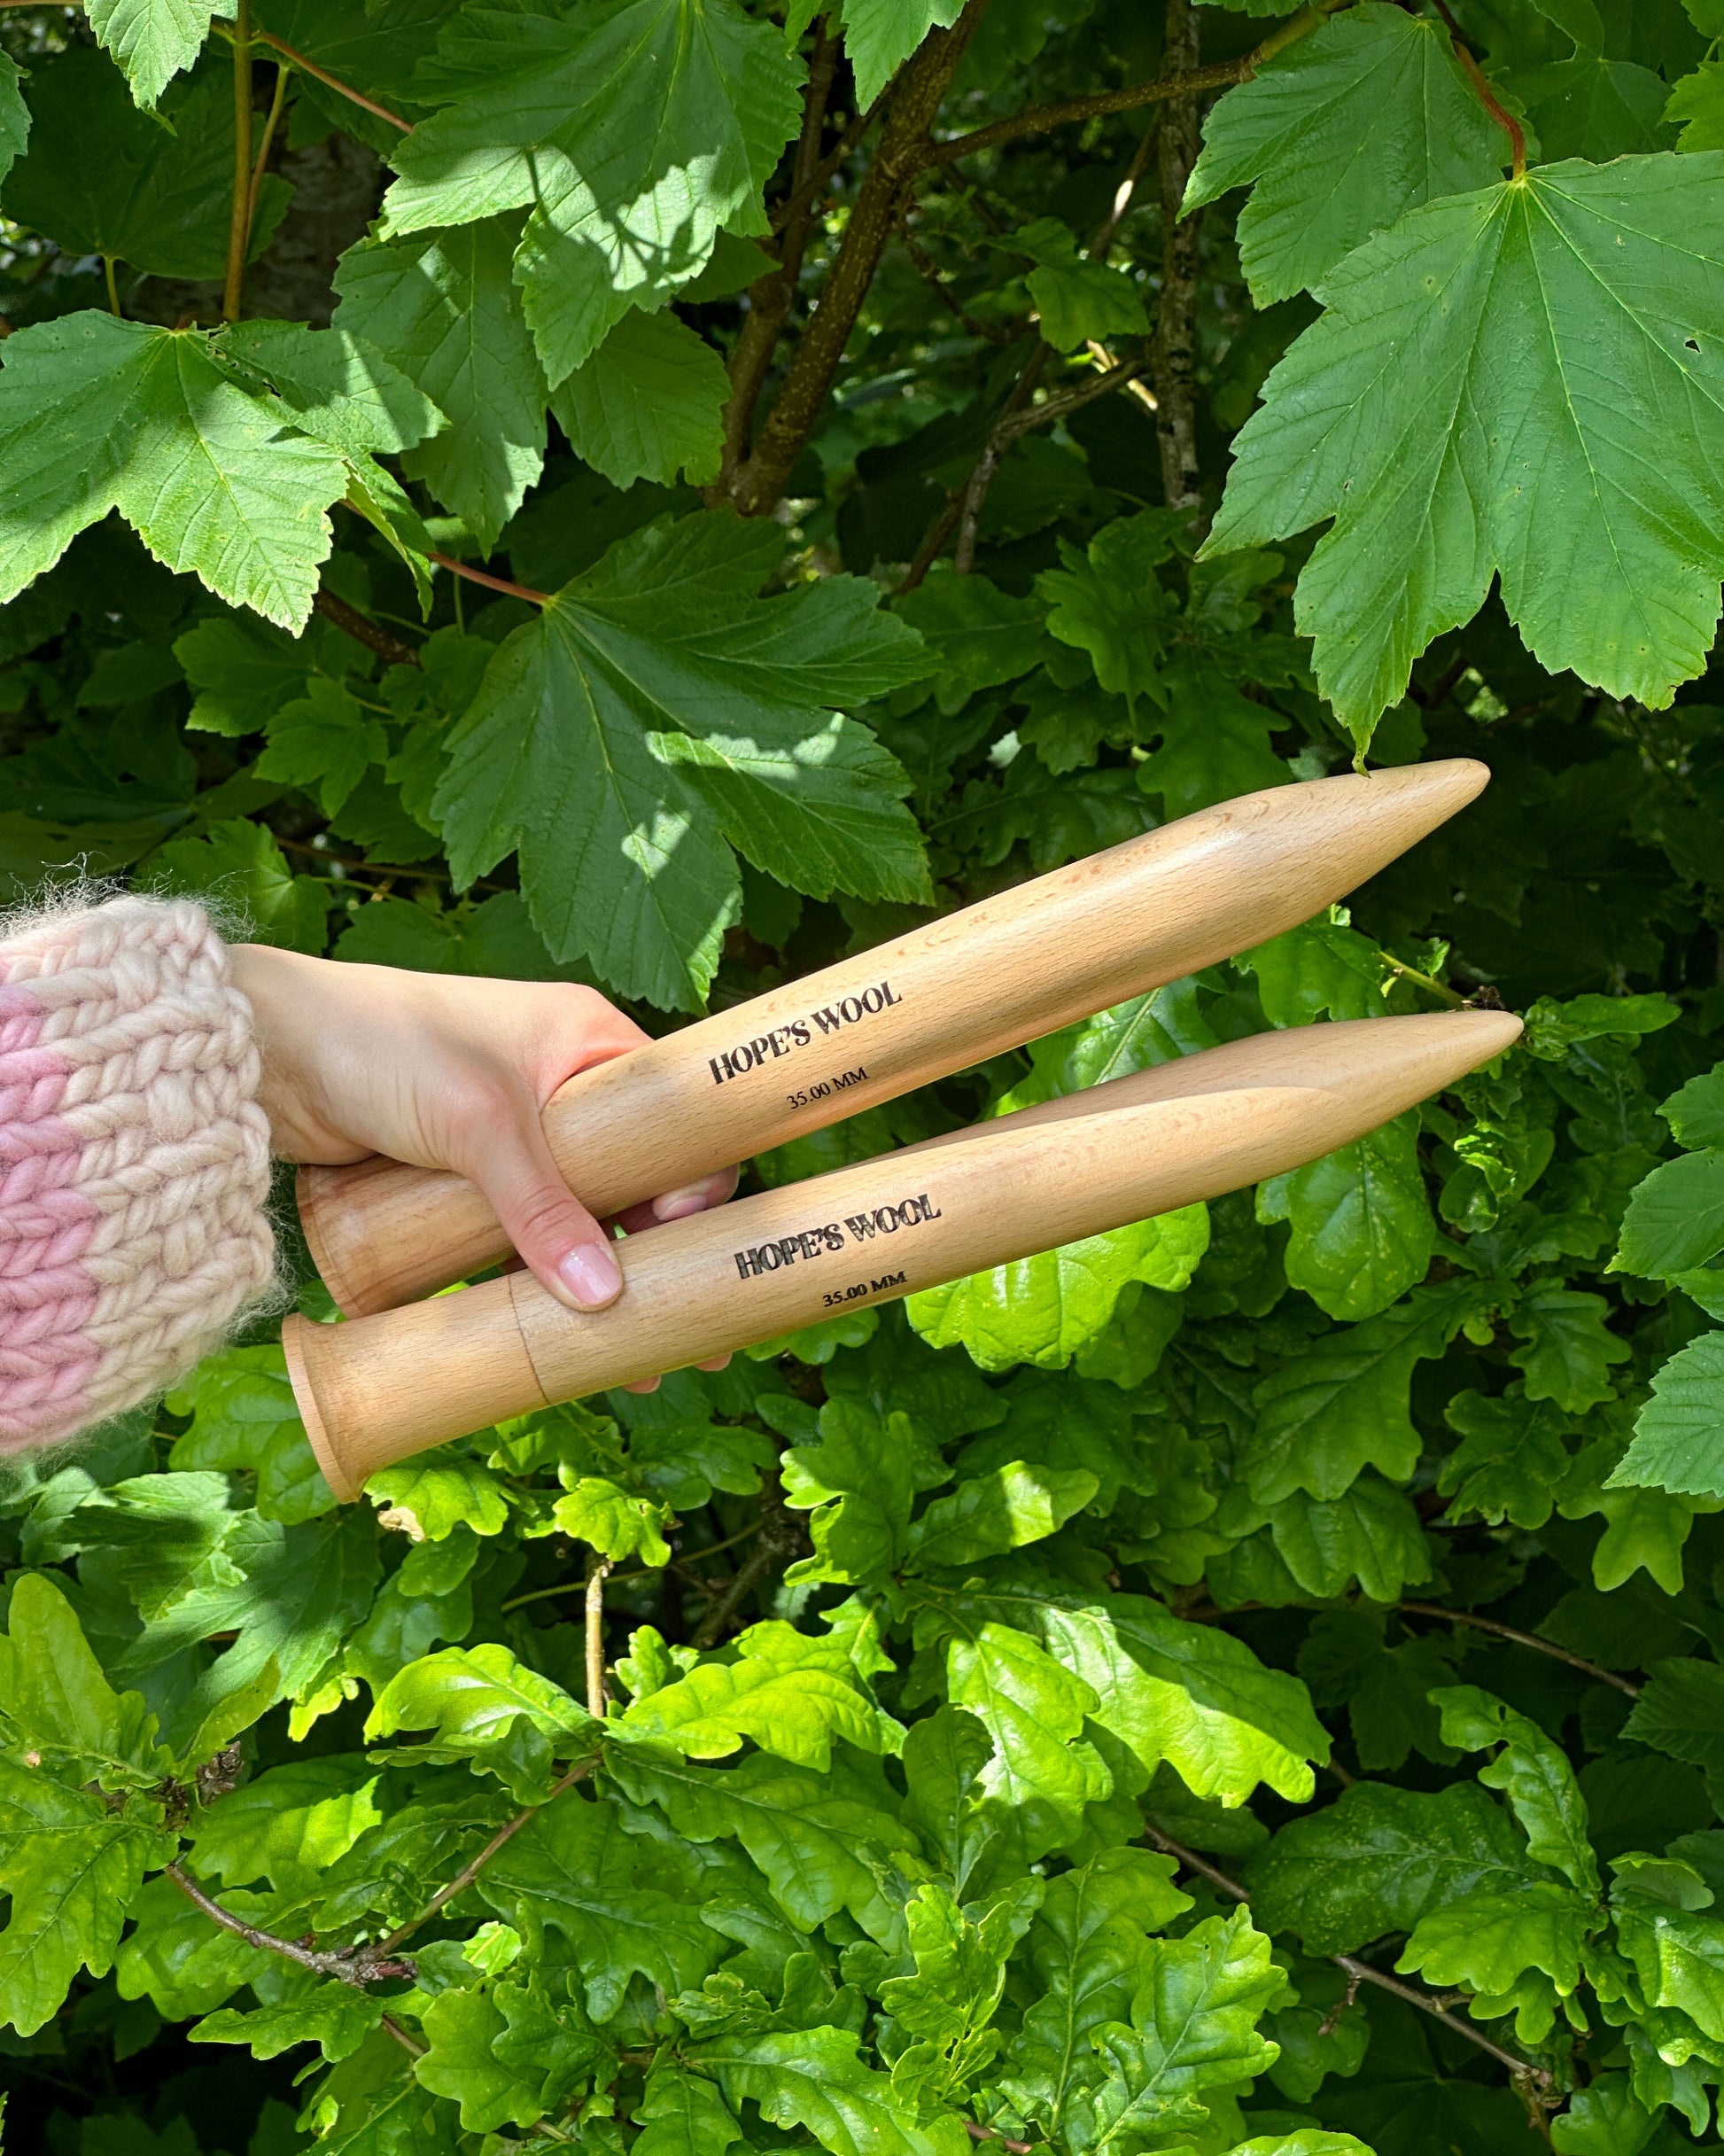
(964, 988)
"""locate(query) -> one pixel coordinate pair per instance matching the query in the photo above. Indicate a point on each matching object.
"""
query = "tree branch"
(770, 297)
(1526, 2074)
(352, 622)
(757, 484)
(469, 1873)
(860, 122)
(598, 1570)
(356, 1966)
(1179, 141)
(1525, 1639)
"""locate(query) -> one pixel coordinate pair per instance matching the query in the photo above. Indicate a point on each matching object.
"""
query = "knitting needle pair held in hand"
(450, 1073)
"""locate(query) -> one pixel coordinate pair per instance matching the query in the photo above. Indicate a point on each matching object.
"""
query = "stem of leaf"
(113, 290)
(1426, 981)
(1482, 89)
(334, 82)
(1526, 2075)
(262, 156)
(239, 220)
(492, 583)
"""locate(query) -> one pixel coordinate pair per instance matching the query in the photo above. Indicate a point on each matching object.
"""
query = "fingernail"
(590, 1274)
(678, 1204)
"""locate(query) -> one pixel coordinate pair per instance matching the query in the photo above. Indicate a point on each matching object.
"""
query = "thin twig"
(1038, 119)
(780, 1539)
(625, 1579)
(1525, 1639)
(1362, 1971)
(239, 220)
(1504, 120)
(261, 162)
(806, 190)
(352, 622)
(926, 268)
(992, 2133)
(356, 1966)
(1426, 981)
(492, 583)
(598, 1570)
(341, 88)
(1178, 142)
(469, 1873)
(410, 2045)
(1102, 244)
(383, 868)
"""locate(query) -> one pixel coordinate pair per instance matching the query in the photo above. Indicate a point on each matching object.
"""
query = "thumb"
(564, 1246)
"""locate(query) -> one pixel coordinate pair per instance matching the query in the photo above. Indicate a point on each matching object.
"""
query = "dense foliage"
(662, 493)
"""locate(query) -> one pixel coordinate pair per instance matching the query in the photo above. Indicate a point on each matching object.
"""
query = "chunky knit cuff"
(134, 1160)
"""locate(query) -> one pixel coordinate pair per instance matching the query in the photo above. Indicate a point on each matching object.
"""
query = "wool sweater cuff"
(134, 1160)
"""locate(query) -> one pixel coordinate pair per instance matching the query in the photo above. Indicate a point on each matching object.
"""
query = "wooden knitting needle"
(383, 1387)
(955, 992)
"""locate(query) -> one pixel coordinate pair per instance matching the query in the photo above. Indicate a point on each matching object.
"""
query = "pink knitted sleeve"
(134, 1160)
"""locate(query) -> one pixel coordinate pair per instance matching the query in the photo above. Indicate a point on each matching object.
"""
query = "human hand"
(448, 1072)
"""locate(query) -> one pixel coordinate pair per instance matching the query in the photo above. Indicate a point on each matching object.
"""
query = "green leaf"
(786, 1704)
(204, 472)
(1108, 600)
(812, 2078)
(1380, 1859)
(1042, 1775)
(1531, 1772)
(72, 1869)
(323, 742)
(1694, 1112)
(290, 1826)
(340, 388)
(446, 310)
(1675, 1218)
(880, 35)
(1371, 1532)
(1337, 136)
(153, 40)
(648, 405)
(680, 2115)
(157, 196)
(441, 1491)
(336, 2017)
(991, 1514)
(1678, 1437)
(175, 1957)
(1603, 2120)
(507, 2055)
(14, 116)
(166, 1534)
(820, 1841)
(1323, 965)
(1075, 299)
(1697, 103)
(486, 1707)
(1046, 1310)
(574, 1869)
(61, 1711)
(634, 131)
(1194, 2027)
(240, 865)
(1567, 1352)
(1087, 1949)
(1510, 1458)
(1215, 743)
(1342, 1407)
(1486, 1942)
(1387, 416)
(1554, 1027)
(616, 1524)
(947, 2005)
(244, 1415)
(612, 734)
(1681, 1712)
(977, 635)
(1360, 1221)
